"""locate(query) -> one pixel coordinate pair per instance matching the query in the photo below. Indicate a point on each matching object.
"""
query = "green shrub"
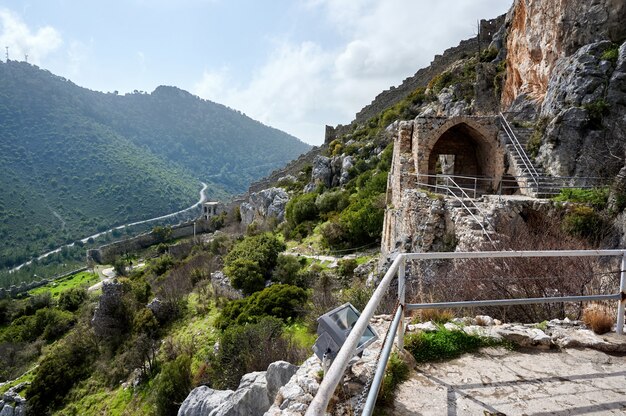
(172, 385)
(345, 268)
(71, 299)
(488, 55)
(333, 201)
(246, 275)
(301, 208)
(68, 362)
(288, 269)
(247, 348)
(280, 301)
(595, 197)
(584, 221)
(444, 344)
(262, 249)
(396, 372)
(534, 142)
(596, 111)
(611, 54)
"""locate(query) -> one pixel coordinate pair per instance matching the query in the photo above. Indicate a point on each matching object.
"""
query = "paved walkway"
(501, 382)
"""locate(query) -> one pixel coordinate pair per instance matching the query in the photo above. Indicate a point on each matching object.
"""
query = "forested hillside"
(75, 161)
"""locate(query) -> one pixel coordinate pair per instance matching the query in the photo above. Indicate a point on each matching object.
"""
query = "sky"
(294, 65)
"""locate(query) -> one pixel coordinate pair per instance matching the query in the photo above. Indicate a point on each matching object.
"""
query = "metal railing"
(519, 149)
(465, 197)
(335, 373)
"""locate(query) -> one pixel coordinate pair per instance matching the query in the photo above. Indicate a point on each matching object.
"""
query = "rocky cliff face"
(542, 32)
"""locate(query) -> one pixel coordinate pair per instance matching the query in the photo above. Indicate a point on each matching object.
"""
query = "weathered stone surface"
(497, 381)
(7, 410)
(278, 374)
(322, 172)
(263, 205)
(578, 80)
(536, 40)
(203, 401)
(346, 164)
(250, 398)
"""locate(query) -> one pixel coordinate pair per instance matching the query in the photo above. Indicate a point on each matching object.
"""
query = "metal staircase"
(532, 180)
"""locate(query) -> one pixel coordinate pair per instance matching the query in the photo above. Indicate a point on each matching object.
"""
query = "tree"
(246, 275)
(280, 301)
(173, 385)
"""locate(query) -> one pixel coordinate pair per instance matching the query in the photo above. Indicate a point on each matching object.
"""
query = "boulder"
(250, 398)
(263, 205)
(203, 401)
(278, 374)
(346, 164)
(322, 172)
(7, 410)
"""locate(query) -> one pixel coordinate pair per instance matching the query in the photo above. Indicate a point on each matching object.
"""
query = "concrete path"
(500, 382)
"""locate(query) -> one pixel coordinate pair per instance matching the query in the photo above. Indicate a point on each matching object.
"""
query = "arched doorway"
(467, 151)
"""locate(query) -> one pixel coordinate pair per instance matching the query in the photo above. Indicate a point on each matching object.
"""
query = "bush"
(301, 208)
(598, 318)
(437, 316)
(584, 221)
(396, 372)
(71, 299)
(595, 197)
(611, 54)
(172, 385)
(597, 110)
(334, 201)
(262, 249)
(534, 142)
(246, 275)
(444, 344)
(68, 362)
(280, 301)
(287, 269)
(251, 347)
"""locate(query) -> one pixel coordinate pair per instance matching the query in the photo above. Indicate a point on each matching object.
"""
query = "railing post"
(401, 300)
(475, 184)
(622, 288)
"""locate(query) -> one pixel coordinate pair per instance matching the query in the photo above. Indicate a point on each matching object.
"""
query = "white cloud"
(302, 86)
(21, 41)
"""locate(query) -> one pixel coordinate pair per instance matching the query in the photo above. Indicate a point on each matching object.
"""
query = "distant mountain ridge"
(74, 161)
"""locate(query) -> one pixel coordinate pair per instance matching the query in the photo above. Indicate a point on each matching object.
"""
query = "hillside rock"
(541, 32)
(12, 403)
(263, 205)
(583, 93)
(330, 171)
(203, 401)
(254, 395)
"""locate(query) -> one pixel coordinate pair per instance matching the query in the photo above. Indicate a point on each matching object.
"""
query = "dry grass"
(438, 316)
(598, 317)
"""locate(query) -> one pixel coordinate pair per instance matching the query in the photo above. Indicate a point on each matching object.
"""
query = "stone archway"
(470, 142)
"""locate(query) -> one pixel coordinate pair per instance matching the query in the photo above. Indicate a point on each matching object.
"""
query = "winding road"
(121, 227)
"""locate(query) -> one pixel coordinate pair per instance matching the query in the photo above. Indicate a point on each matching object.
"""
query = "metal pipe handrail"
(472, 214)
(379, 374)
(508, 302)
(340, 363)
(335, 372)
(520, 150)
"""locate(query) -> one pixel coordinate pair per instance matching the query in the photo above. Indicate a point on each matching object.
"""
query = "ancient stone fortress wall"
(474, 142)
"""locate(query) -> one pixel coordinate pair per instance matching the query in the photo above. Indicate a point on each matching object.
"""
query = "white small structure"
(211, 209)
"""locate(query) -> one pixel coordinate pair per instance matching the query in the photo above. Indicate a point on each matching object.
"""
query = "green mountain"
(76, 161)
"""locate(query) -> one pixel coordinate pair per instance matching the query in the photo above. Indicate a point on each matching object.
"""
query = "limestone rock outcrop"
(263, 205)
(330, 171)
(12, 403)
(541, 32)
(254, 395)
